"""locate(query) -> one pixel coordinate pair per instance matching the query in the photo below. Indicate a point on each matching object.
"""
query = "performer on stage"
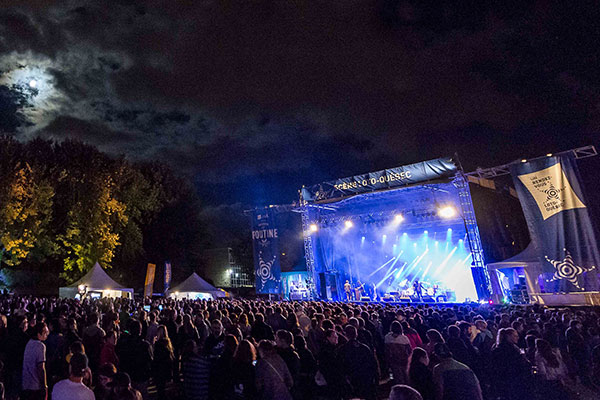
(418, 288)
(347, 290)
(374, 294)
(358, 290)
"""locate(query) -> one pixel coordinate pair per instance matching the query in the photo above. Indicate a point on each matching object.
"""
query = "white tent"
(528, 260)
(195, 287)
(96, 283)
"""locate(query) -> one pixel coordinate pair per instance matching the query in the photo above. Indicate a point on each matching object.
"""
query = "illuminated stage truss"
(391, 238)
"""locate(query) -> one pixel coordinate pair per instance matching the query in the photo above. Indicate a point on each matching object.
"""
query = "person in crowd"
(261, 330)
(135, 357)
(273, 378)
(285, 348)
(511, 370)
(398, 350)
(420, 376)
(244, 375)
(359, 365)
(404, 392)
(93, 338)
(433, 337)
(578, 349)
(214, 343)
(188, 330)
(73, 387)
(460, 350)
(221, 385)
(452, 379)
(195, 369)
(34, 381)
(122, 389)
(77, 348)
(551, 370)
(484, 340)
(16, 343)
(412, 335)
(105, 376)
(152, 327)
(308, 367)
(72, 334)
(108, 354)
(162, 363)
(329, 377)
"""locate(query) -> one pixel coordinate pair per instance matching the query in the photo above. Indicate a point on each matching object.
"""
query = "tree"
(25, 215)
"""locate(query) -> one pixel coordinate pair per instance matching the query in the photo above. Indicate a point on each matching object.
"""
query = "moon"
(33, 83)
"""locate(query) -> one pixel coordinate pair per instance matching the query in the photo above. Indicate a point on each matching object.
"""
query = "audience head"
(404, 392)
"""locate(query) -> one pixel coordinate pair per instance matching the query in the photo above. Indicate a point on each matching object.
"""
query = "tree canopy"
(64, 206)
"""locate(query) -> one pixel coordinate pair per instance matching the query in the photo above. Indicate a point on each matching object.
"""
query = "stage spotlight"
(398, 218)
(348, 224)
(314, 227)
(447, 212)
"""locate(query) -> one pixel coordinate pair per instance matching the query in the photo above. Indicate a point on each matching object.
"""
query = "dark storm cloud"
(226, 90)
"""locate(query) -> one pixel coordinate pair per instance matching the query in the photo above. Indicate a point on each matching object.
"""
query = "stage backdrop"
(385, 179)
(559, 222)
(265, 240)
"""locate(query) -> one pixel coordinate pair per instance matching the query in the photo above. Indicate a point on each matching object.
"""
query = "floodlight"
(399, 218)
(349, 224)
(447, 212)
(314, 227)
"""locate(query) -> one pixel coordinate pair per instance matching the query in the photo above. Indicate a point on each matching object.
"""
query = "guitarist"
(358, 290)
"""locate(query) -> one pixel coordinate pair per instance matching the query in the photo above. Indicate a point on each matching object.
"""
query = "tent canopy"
(96, 280)
(526, 258)
(194, 283)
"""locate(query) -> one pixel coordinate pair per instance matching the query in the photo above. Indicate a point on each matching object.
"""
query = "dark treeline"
(64, 206)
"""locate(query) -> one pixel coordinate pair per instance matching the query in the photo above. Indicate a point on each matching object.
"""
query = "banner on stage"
(167, 276)
(559, 222)
(385, 179)
(149, 284)
(265, 241)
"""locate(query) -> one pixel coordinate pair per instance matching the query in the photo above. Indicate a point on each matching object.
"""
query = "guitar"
(358, 290)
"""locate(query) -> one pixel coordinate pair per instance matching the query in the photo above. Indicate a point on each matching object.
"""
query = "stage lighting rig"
(314, 227)
(348, 224)
(399, 218)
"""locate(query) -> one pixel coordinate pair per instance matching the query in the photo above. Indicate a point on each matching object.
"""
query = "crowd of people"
(257, 349)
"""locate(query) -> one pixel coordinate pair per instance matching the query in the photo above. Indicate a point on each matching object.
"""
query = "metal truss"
(493, 172)
(473, 238)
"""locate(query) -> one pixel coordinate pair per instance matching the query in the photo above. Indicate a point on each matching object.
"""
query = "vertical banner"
(559, 223)
(167, 276)
(265, 242)
(149, 285)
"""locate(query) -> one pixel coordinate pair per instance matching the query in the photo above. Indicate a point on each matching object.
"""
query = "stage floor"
(418, 303)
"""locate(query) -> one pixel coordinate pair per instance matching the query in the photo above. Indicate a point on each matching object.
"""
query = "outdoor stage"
(411, 239)
(409, 235)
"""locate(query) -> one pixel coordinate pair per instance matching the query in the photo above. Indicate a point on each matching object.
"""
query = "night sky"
(252, 99)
